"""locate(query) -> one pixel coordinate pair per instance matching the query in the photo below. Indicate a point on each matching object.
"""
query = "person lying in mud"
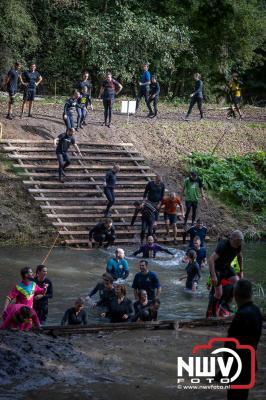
(200, 251)
(62, 144)
(148, 215)
(75, 315)
(106, 291)
(150, 249)
(25, 291)
(193, 271)
(21, 317)
(103, 232)
(146, 280)
(120, 308)
(117, 266)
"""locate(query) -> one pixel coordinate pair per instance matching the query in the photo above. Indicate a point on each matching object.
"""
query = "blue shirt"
(145, 77)
(31, 78)
(201, 233)
(13, 76)
(148, 282)
(118, 268)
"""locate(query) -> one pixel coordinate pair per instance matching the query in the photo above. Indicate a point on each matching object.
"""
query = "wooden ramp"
(78, 204)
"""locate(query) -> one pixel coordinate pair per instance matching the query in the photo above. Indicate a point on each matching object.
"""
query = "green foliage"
(237, 180)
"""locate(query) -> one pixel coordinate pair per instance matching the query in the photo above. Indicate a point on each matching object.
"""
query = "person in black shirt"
(220, 265)
(109, 186)
(71, 106)
(148, 215)
(102, 232)
(106, 291)
(31, 79)
(109, 89)
(120, 309)
(12, 78)
(196, 96)
(85, 82)
(246, 327)
(40, 303)
(75, 315)
(62, 143)
(154, 97)
(141, 307)
(154, 192)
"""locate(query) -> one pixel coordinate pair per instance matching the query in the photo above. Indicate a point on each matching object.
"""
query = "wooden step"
(74, 158)
(118, 232)
(86, 207)
(92, 223)
(87, 216)
(89, 191)
(50, 142)
(71, 150)
(82, 183)
(132, 241)
(86, 175)
(89, 199)
(81, 167)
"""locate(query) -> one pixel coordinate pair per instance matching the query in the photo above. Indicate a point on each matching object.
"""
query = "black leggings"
(155, 103)
(193, 101)
(146, 225)
(108, 110)
(143, 93)
(63, 161)
(189, 205)
(101, 238)
(109, 193)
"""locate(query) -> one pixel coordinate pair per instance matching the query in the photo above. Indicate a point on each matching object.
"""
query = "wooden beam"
(87, 207)
(74, 158)
(118, 232)
(52, 150)
(89, 199)
(50, 142)
(80, 167)
(89, 191)
(82, 183)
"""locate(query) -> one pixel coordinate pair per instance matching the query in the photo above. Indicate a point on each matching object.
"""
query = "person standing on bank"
(31, 79)
(144, 84)
(196, 96)
(109, 186)
(154, 97)
(40, 302)
(62, 143)
(191, 193)
(109, 89)
(11, 83)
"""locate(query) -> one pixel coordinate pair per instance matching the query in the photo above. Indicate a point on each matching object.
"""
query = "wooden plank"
(82, 183)
(118, 232)
(87, 158)
(80, 143)
(86, 216)
(92, 223)
(86, 207)
(52, 150)
(85, 176)
(117, 241)
(89, 199)
(89, 191)
(78, 167)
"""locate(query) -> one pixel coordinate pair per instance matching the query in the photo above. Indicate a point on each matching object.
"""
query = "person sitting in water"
(196, 230)
(193, 271)
(141, 306)
(102, 232)
(120, 308)
(146, 280)
(150, 249)
(75, 315)
(117, 266)
(19, 316)
(200, 251)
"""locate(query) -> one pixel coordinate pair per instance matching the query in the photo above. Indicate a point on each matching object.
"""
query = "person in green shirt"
(193, 186)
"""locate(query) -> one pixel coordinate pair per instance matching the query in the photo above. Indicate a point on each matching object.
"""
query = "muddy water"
(74, 273)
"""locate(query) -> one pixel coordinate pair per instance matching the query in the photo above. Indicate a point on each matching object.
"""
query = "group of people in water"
(76, 107)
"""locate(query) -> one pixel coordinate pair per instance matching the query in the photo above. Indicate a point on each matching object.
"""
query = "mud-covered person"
(103, 232)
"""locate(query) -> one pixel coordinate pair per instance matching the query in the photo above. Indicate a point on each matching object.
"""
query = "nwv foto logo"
(223, 364)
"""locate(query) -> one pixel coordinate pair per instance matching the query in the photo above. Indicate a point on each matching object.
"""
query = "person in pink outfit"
(25, 291)
(19, 316)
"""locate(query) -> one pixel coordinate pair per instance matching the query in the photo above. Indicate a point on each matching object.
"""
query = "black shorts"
(171, 217)
(225, 274)
(237, 100)
(29, 95)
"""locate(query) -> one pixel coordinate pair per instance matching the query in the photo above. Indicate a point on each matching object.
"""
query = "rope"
(49, 252)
